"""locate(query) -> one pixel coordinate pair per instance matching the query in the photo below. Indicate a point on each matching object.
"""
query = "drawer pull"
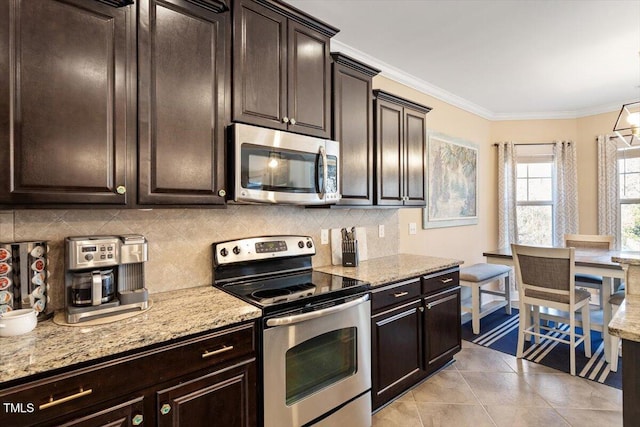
(400, 294)
(224, 349)
(137, 420)
(52, 402)
(446, 280)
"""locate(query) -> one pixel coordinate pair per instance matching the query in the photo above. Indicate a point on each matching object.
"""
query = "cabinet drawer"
(396, 293)
(440, 280)
(72, 391)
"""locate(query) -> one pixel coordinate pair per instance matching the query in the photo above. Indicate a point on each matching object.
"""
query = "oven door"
(318, 363)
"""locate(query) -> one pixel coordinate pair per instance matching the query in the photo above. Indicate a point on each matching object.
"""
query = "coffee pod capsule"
(4, 268)
(37, 252)
(38, 265)
(4, 254)
(5, 282)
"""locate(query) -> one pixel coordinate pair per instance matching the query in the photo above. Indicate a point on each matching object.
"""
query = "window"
(629, 174)
(534, 199)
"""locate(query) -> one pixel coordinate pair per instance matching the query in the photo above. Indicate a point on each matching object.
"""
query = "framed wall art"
(452, 182)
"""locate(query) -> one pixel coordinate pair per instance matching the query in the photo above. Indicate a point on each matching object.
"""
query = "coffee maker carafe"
(104, 276)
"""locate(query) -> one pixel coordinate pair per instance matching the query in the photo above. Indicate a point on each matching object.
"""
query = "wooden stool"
(475, 277)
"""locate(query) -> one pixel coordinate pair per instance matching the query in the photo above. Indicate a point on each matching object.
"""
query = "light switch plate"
(412, 228)
(324, 236)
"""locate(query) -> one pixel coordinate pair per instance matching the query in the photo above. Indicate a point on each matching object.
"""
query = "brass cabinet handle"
(285, 120)
(121, 189)
(224, 349)
(400, 294)
(446, 280)
(53, 402)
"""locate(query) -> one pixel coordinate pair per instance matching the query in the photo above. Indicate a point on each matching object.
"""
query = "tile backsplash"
(180, 239)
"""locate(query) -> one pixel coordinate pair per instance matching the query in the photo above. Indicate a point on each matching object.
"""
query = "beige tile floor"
(487, 388)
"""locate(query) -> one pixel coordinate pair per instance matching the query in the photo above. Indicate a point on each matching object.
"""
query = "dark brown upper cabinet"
(67, 102)
(352, 124)
(401, 132)
(281, 68)
(183, 91)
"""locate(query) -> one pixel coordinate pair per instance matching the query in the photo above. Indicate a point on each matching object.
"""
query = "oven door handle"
(290, 320)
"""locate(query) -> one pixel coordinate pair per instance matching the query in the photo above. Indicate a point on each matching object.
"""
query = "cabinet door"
(389, 156)
(127, 414)
(353, 127)
(182, 86)
(224, 398)
(67, 74)
(442, 328)
(415, 134)
(259, 65)
(396, 346)
(309, 81)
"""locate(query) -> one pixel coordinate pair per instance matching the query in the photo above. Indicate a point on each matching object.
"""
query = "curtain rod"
(533, 143)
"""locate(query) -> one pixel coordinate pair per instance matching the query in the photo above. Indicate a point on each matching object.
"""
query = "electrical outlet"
(412, 228)
(324, 236)
(381, 230)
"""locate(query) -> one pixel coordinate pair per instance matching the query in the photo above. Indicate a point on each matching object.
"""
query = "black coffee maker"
(104, 276)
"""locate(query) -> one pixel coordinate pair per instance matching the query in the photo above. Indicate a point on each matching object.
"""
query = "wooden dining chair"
(546, 278)
(589, 241)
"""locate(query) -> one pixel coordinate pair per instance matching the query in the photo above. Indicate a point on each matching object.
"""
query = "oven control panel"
(266, 247)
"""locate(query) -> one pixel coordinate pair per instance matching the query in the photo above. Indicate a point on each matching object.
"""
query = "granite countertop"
(626, 322)
(173, 315)
(380, 271)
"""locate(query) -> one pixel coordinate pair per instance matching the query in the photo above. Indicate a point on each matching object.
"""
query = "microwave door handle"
(297, 318)
(323, 154)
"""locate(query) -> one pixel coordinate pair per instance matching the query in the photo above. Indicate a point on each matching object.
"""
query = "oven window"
(320, 362)
(270, 169)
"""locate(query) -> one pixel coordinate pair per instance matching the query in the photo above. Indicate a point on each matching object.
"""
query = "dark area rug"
(499, 331)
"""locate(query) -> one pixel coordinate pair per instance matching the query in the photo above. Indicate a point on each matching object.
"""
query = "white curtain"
(608, 191)
(507, 224)
(565, 191)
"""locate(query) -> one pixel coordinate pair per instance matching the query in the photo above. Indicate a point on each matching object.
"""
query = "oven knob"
(224, 252)
(236, 250)
(301, 244)
(309, 244)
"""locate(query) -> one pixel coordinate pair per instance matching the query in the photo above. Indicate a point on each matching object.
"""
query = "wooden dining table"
(587, 261)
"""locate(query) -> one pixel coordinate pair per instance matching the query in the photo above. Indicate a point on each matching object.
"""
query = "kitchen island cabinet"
(401, 142)
(281, 68)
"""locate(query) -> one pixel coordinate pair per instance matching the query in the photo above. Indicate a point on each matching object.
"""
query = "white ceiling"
(501, 59)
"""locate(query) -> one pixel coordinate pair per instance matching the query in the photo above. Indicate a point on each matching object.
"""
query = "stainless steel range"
(316, 337)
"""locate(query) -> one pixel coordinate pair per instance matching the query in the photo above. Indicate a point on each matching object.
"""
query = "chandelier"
(628, 123)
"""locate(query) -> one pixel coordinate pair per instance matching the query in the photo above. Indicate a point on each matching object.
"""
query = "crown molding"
(427, 88)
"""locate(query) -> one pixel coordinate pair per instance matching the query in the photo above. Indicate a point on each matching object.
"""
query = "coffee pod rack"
(24, 277)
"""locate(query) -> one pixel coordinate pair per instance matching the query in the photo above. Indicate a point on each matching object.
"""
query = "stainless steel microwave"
(272, 166)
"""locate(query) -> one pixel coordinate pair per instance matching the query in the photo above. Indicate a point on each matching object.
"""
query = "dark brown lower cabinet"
(441, 340)
(397, 346)
(205, 380)
(129, 413)
(415, 328)
(218, 399)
